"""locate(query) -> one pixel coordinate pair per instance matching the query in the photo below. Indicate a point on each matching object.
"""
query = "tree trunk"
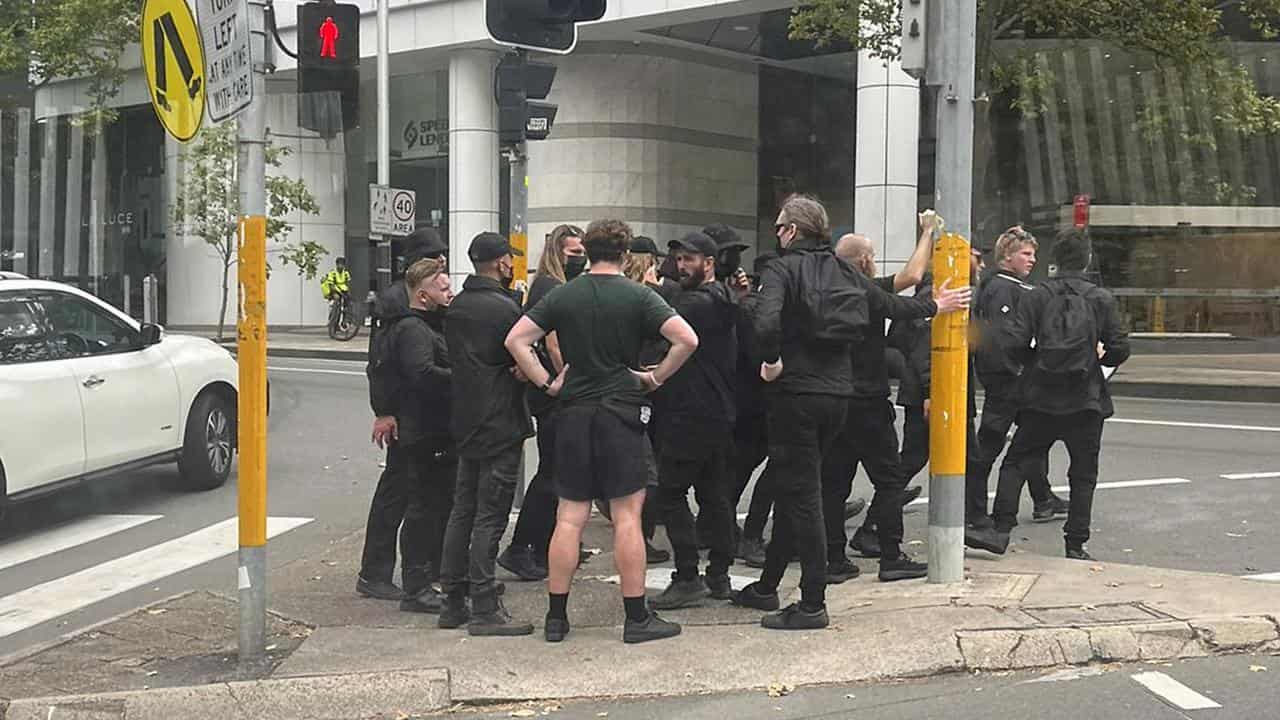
(222, 311)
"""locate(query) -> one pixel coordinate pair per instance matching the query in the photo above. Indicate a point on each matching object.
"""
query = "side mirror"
(151, 334)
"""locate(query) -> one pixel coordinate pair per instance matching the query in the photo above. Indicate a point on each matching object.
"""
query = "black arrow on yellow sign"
(164, 28)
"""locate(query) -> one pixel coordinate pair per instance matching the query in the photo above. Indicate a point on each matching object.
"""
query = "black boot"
(428, 601)
(378, 589)
(455, 613)
(519, 561)
(989, 539)
(491, 619)
(654, 555)
(865, 543)
(682, 592)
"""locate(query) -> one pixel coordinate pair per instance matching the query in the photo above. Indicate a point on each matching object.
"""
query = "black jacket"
(748, 388)
(697, 404)
(912, 339)
(422, 379)
(389, 306)
(494, 413)
(994, 306)
(870, 374)
(1050, 396)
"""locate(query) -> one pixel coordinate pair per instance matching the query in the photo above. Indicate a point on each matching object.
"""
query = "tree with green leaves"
(1188, 37)
(208, 205)
(50, 39)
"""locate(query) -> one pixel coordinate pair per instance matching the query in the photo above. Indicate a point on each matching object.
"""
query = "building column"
(473, 154)
(886, 174)
(48, 196)
(98, 205)
(75, 193)
(22, 261)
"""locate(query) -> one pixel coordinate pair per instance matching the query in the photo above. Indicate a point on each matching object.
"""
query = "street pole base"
(253, 604)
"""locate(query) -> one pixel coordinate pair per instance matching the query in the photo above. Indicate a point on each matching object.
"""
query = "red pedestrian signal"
(329, 39)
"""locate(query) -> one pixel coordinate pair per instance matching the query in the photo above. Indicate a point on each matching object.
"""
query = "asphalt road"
(82, 557)
(1239, 687)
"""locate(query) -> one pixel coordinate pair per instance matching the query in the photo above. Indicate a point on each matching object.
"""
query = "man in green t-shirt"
(602, 319)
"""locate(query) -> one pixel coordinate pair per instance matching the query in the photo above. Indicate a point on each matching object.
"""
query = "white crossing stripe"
(660, 578)
(315, 371)
(1206, 426)
(55, 598)
(1265, 577)
(1174, 692)
(63, 537)
(1250, 476)
(1117, 485)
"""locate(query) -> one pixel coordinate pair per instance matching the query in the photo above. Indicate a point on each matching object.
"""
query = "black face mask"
(574, 265)
(728, 263)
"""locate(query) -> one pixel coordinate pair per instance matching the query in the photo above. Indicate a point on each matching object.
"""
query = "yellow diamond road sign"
(174, 62)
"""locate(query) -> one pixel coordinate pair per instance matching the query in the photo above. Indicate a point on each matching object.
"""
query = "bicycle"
(343, 323)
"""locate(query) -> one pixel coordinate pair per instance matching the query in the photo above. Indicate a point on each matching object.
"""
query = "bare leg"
(562, 558)
(628, 542)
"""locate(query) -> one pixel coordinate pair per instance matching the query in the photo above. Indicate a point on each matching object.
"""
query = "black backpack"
(381, 369)
(834, 299)
(1066, 345)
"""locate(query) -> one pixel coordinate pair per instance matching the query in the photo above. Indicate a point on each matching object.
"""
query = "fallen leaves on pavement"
(780, 689)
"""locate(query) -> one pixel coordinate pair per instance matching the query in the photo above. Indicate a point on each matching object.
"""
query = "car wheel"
(209, 444)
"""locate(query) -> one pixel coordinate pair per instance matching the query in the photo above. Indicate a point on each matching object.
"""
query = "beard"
(689, 281)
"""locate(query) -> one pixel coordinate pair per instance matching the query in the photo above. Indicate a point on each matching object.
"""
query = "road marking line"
(1174, 692)
(1118, 485)
(55, 598)
(660, 578)
(314, 371)
(64, 537)
(1250, 476)
(1207, 426)
(1264, 577)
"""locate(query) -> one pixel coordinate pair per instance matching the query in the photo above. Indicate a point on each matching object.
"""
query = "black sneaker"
(378, 589)
(911, 494)
(680, 594)
(719, 586)
(519, 562)
(902, 568)
(841, 570)
(793, 617)
(989, 539)
(751, 597)
(1051, 510)
(655, 556)
(651, 628)
(982, 522)
(854, 508)
(865, 543)
(555, 629)
(455, 613)
(751, 550)
(429, 602)
(1078, 553)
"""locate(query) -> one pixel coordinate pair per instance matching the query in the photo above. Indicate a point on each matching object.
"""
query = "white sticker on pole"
(392, 211)
(224, 28)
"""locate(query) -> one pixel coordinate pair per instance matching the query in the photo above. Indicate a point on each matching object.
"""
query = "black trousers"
(1037, 432)
(915, 442)
(431, 476)
(708, 473)
(537, 519)
(481, 507)
(750, 448)
(386, 511)
(999, 410)
(802, 429)
(868, 437)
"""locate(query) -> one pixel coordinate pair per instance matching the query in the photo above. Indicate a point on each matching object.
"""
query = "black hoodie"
(422, 379)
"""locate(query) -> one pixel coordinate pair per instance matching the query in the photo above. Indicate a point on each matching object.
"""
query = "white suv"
(86, 391)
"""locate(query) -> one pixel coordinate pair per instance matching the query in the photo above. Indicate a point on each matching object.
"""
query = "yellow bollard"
(948, 421)
(252, 354)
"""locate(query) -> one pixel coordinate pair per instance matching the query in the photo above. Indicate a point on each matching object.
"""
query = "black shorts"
(602, 452)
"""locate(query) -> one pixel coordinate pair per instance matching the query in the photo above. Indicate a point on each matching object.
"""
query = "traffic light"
(550, 25)
(519, 79)
(328, 66)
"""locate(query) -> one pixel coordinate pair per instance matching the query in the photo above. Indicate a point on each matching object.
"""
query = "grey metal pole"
(252, 574)
(384, 260)
(955, 45)
(518, 234)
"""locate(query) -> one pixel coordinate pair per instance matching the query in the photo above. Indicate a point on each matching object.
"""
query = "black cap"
(725, 236)
(696, 242)
(489, 246)
(645, 245)
(423, 243)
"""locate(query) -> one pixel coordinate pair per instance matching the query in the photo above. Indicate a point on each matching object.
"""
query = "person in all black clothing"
(868, 436)
(490, 427)
(1000, 291)
(1077, 331)
(811, 381)
(420, 365)
(563, 258)
(693, 421)
(387, 508)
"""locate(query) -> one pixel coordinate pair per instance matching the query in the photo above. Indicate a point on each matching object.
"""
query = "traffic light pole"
(518, 234)
(251, 353)
(953, 39)
(383, 260)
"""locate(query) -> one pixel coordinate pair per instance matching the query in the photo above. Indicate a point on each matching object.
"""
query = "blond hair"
(422, 270)
(551, 264)
(636, 265)
(1011, 241)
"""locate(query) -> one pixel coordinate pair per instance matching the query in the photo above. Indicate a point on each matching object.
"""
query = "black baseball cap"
(490, 246)
(697, 242)
(645, 245)
(725, 236)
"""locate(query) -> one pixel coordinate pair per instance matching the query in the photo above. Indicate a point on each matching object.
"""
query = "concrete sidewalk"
(334, 655)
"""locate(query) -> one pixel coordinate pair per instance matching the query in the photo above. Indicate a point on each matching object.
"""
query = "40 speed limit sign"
(392, 211)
